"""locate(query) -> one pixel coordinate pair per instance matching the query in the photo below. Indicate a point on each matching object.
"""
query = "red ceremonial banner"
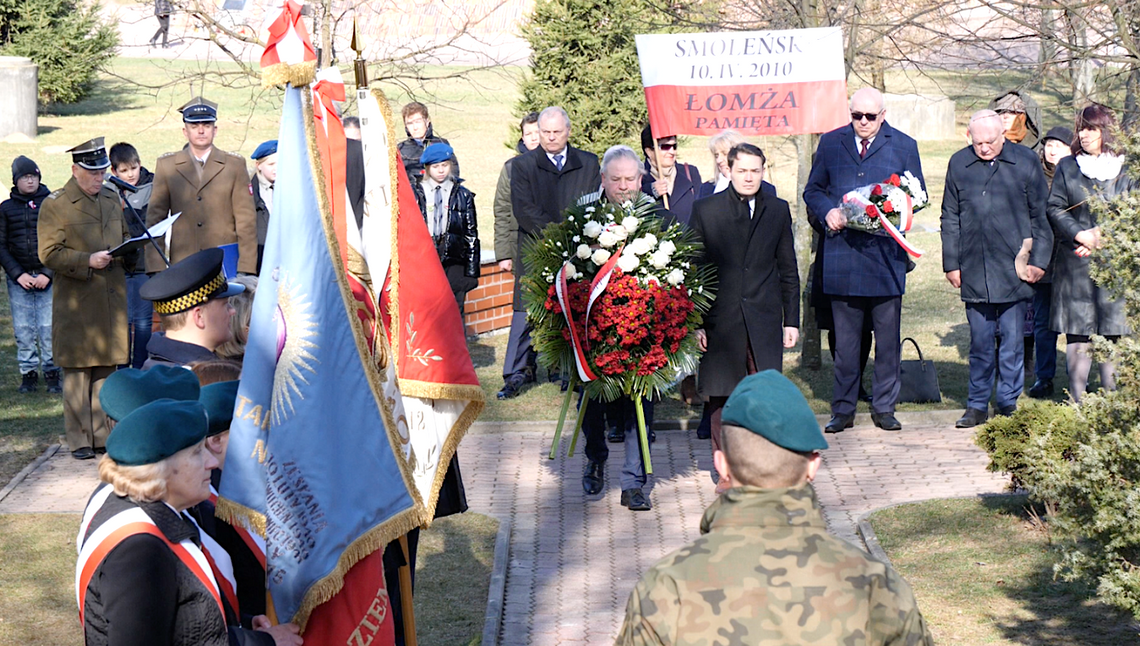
(751, 110)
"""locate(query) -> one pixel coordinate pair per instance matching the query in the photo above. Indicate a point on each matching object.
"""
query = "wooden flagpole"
(657, 152)
(408, 611)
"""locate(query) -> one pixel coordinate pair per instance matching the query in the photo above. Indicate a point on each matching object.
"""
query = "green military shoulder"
(54, 194)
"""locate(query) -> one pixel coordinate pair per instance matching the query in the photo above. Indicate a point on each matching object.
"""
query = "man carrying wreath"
(863, 274)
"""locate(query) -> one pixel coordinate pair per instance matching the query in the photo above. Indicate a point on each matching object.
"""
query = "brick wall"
(488, 306)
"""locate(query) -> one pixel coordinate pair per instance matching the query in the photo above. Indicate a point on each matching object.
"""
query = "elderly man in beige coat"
(79, 225)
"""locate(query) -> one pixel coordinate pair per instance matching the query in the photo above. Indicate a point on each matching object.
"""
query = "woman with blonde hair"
(234, 349)
(719, 145)
(145, 574)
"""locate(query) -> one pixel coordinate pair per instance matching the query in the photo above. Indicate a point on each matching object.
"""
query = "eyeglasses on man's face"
(871, 117)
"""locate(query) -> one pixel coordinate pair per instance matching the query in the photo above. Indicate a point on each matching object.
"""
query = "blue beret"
(771, 406)
(219, 398)
(436, 153)
(156, 431)
(266, 149)
(128, 389)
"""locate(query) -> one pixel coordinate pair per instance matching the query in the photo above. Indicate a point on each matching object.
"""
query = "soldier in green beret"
(765, 570)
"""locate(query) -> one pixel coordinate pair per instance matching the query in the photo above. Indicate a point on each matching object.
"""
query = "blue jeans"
(140, 318)
(31, 321)
(1044, 339)
(622, 415)
(985, 320)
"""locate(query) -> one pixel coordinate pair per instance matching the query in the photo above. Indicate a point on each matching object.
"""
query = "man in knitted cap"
(765, 570)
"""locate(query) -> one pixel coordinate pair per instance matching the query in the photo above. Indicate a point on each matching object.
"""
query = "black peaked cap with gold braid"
(189, 282)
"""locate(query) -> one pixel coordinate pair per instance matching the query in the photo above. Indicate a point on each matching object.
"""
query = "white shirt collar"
(562, 152)
(859, 142)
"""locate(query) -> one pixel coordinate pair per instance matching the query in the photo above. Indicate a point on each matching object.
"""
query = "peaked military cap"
(199, 110)
(90, 154)
(771, 406)
(156, 431)
(189, 282)
(266, 149)
(128, 389)
(219, 399)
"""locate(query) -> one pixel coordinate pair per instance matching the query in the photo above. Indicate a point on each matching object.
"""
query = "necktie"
(438, 229)
(558, 162)
(863, 148)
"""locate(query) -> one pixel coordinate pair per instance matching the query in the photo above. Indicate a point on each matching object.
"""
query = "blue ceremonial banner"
(311, 464)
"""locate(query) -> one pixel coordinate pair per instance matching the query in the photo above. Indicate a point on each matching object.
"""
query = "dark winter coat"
(757, 286)
(411, 150)
(1079, 306)
(709, 188)
(1032, 117)
(143, 594)
(686, 189)
(261, 209)
(163, 351)
(139, 201)
(460, 245)
(988, 210)
(857, 263)
(540, 192)
(19, 243)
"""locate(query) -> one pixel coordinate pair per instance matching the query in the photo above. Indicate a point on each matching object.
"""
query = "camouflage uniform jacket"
(767, 572)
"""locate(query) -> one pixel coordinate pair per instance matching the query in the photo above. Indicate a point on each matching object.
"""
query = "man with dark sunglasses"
(863, 275)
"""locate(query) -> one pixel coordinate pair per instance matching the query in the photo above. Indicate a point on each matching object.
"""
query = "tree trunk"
(1131, 116)
(1048, 50)
(1082, 74)
(810, 349)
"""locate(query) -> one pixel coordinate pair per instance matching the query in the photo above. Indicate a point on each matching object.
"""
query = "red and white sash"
(115, 530)
(252, 540)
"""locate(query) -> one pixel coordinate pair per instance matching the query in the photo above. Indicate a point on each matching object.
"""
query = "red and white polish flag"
(755, 82)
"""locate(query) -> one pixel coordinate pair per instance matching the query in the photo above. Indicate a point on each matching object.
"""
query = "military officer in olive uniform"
(79, 224)
(210, 188)
(765, 570)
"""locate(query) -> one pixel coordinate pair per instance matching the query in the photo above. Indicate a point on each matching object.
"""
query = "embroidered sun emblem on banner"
(295, 328)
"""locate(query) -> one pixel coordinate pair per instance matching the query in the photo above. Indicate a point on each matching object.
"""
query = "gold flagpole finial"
(359, 66)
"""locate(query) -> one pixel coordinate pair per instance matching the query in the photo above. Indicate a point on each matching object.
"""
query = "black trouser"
(520, 354)
(849, 314)
(864, 348)
(163, 29)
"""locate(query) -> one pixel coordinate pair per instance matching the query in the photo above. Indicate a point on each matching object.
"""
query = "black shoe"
(886, 421)
(839, 423)
(703, 435)
(564, 385)
(635, 500)
(100, 450)
(31, 378)
(1006, 411)
(972, 418)
(84, 453)
(864, 396)
(615, 436)
(652, 437)
(594, 478)
(52, 378)
(1041, 389)
(512, 387)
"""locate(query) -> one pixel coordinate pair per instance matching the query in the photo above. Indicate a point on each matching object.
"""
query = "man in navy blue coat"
(863, 274)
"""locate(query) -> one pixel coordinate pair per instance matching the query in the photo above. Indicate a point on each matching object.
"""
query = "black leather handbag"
(918, 379)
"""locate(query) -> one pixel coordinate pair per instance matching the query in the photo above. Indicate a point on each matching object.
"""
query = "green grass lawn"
(37, 575)
(982, 571)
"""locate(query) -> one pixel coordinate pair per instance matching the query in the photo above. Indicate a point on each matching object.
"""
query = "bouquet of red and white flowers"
(615, 300)
(886, 208)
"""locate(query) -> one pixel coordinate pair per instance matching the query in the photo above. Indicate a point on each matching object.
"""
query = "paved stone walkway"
(575, 558)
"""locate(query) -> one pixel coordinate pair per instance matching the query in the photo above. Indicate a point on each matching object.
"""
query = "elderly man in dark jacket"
(544, 181)
(996, 242)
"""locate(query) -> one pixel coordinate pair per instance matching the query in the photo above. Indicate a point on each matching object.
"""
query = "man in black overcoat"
(544, 181)
(748, 236)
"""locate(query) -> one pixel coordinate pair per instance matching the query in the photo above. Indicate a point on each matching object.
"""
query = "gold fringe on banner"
(379, 536)
(236, 514)
(298, 74)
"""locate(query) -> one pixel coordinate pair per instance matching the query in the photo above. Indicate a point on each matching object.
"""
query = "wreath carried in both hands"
(614, 300)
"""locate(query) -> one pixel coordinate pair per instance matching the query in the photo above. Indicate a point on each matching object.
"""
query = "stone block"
(19, 102)
(926, 118)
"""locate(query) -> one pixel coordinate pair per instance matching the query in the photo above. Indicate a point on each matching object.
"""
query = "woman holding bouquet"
(1080, 307)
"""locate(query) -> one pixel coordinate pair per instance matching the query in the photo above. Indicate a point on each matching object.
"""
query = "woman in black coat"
(1080, 308)
(456, 231)
(665, 177)
(146, 573)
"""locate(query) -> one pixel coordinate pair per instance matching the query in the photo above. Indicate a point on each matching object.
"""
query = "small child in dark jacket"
(449, 209)
(29, 282)
(125, 165)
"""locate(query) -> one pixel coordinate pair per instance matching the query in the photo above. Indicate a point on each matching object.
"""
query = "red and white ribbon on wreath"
(906, 219)
(563, 292)
(599, 284)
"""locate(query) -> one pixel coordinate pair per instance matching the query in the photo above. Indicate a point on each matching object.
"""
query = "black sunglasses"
(672, 145)
(869, 116)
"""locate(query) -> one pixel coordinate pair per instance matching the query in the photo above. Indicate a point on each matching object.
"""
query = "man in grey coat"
(996, 242)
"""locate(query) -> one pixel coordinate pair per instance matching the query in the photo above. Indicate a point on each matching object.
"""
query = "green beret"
(127, 389)
(156, 431)
(771, 406)
(219, 401)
